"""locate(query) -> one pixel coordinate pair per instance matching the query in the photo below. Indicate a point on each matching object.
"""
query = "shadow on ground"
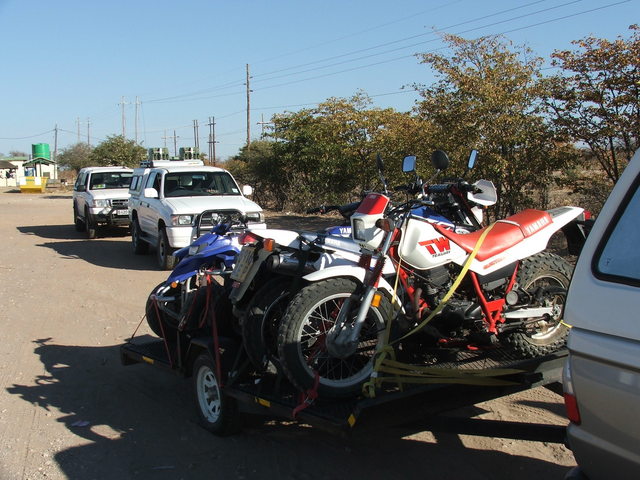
(138, 422)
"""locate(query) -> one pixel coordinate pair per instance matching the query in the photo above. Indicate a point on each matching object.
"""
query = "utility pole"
(248, 110)
(196, 138)
(55, 151)
(78, 125)
(165, 139)
(175, 144)
(212, 141)
(124, 120)
(88, 131)
(262, 123)
(136, 119)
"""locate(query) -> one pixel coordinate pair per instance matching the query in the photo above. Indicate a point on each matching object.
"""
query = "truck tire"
(79, 224)
(543, 270)
(139, 245)
(166, 260)
(89, 226)
(217, 412)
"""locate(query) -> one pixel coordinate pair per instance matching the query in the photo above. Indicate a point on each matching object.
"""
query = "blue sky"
(67, 60)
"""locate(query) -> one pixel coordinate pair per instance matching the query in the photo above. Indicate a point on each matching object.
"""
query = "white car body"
(156, 215)
(602, 372)
(98, 202)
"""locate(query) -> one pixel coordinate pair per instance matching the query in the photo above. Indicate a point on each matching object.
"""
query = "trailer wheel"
(217, 412)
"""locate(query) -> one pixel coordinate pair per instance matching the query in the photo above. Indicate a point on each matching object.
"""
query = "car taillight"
(570, 400)
(248, 237)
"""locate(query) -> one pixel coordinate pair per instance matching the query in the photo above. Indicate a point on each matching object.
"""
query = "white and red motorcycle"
(495, 287)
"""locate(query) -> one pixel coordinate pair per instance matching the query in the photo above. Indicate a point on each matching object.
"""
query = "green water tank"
(40, 150)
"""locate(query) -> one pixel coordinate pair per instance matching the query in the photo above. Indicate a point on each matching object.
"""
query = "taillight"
(248, 237)
(571, 406)
(570, 400)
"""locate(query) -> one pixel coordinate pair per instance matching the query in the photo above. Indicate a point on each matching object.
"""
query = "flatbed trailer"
(413, 408)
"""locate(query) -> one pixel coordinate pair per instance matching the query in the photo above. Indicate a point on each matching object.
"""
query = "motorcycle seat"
(505, 233)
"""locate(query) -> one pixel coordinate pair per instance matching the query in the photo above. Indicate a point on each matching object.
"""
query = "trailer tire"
(217, 412)
(542, 269)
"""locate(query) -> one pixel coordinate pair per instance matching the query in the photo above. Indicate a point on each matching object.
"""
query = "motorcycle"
(494, 287)
(272, 266)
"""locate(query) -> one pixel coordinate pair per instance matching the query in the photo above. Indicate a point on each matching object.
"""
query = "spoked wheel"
(549, 275)
(302, 339)
(218, 413)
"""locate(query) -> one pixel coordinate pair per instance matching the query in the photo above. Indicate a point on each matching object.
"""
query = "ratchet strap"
(401, 373)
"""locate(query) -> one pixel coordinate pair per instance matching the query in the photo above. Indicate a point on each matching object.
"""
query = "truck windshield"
(105, 180)
(191, 184)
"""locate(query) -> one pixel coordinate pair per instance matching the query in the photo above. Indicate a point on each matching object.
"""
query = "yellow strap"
(368, 388)
(454, 287)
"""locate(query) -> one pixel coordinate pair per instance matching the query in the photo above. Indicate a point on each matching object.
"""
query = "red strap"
(164, 335)
(308, 397)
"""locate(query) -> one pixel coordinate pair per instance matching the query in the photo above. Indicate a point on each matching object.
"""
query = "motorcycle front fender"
(189, 266)
(348, 271)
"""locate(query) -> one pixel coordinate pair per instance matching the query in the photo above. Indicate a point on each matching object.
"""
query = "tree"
(18, 153)
(489, 97)
(75, 156)
(117, 150)
(596, 98)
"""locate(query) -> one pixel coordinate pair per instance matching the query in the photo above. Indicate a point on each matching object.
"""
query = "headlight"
(358, 229)
(255, 217)
(181, 220)
(100, 202)
(195, 249)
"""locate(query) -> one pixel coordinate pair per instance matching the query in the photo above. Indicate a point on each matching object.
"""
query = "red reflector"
(248, 237)
(571, 406)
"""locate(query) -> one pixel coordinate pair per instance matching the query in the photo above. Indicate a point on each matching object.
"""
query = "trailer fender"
(228, 351)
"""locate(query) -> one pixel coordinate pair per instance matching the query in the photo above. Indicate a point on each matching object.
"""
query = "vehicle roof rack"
(171, 163)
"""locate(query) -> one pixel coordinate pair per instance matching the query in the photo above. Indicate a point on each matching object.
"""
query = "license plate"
(122, 212)
(244, 263)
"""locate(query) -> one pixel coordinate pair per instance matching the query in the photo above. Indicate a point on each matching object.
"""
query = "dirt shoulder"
(70, 410)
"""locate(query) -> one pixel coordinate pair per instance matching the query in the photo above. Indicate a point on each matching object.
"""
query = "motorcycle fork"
(492, 309)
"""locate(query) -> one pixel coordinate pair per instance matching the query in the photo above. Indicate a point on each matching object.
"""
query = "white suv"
(168, 195)
(101, 197)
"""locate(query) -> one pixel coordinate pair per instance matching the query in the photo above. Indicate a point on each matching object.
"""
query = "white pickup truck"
(166, 196)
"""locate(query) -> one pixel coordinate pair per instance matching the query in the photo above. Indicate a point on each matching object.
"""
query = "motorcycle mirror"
(409, 164)
(380, 164)
(472, 159)
(439, 160)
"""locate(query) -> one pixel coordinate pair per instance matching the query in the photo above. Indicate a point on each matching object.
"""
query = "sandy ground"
(70, 410)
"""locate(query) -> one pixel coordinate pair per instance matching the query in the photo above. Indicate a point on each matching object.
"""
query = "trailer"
(226, 390)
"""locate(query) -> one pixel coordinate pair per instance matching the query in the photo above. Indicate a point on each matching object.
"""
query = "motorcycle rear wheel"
(301, 348)
(545, 337)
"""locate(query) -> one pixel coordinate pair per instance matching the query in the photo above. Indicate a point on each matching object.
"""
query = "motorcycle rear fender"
(347, 271)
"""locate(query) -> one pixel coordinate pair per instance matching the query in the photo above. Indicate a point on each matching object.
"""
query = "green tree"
(257, 166)
(75, 156)
(488, 96)
(596, 98)
(117, 150)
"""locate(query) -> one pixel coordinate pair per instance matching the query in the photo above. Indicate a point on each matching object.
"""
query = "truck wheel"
(79, 224)
(166, 260)
(139, 245)
(217, 412)
(89, 227)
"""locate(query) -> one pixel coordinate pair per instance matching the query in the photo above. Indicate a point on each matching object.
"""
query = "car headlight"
(358, 229)
(181, 220)
(255, 217)
(100, 202)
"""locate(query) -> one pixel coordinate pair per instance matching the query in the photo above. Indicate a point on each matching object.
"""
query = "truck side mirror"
(151, 193)
(247, 190)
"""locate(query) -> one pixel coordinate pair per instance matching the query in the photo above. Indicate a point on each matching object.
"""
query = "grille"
(120, 203)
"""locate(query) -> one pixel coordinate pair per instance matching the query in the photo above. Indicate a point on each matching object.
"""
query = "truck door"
(147, 213)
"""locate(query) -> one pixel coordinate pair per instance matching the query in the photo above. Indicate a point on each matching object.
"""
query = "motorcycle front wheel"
(302, 339)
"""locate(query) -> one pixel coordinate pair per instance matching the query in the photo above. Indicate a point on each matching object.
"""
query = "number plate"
(244, 263)
(122, 212)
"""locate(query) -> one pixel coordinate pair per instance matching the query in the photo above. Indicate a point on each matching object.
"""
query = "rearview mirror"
(409, 164)
(439, 160)
(472, 159)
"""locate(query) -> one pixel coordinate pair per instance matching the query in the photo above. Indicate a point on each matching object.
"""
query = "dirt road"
(69, 410)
